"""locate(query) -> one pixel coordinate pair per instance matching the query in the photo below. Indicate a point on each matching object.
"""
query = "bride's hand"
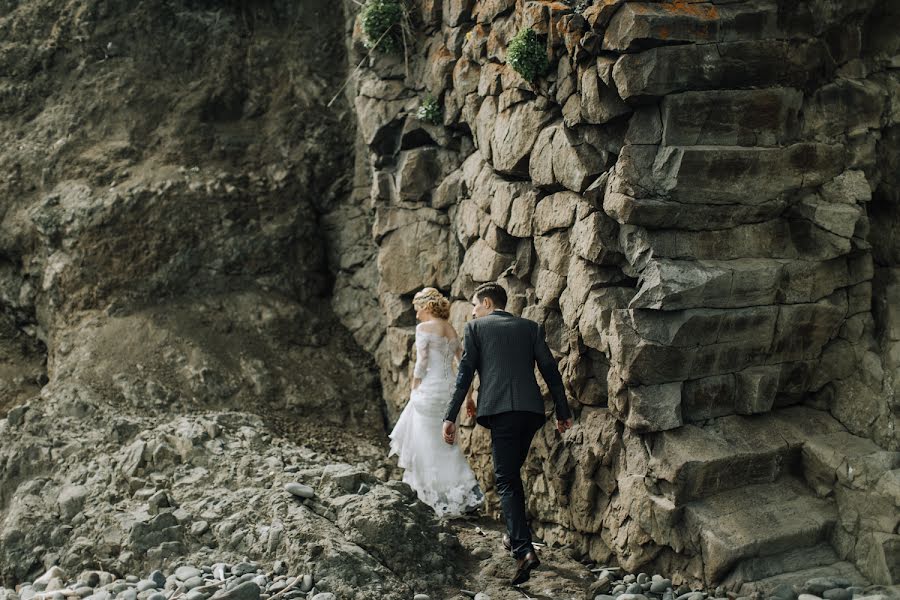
(470, 407)
(449, 432)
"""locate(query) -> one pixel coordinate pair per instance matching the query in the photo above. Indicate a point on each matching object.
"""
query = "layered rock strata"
(697, 201)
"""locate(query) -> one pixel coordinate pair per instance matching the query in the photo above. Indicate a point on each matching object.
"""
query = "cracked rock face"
(123, 491)
(698, 203)
(688, 204)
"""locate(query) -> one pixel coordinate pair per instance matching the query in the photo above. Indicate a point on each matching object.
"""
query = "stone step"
(694, 462)
(765, 567)
(757, 521)
(740, 64)
(641, 25)
(837, 569)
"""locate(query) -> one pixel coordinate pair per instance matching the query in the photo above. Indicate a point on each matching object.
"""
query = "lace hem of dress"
(461, 495)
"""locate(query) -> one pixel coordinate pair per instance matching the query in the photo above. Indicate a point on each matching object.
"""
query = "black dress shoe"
(506, 543)
(524, 567)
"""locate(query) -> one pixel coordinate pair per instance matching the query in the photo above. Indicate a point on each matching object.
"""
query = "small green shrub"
(527, 55)
(430, 111)
(382, 22)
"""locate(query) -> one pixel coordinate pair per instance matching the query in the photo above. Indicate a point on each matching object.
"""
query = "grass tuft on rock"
(382, 23)
(430, 111)
(527, 55)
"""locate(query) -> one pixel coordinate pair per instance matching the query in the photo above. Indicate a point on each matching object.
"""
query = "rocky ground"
(215, 505)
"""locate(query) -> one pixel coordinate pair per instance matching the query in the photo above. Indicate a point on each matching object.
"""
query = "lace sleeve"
(421, 356)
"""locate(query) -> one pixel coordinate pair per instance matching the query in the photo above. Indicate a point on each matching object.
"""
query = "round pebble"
(658, 587)
(157, 596)
(416, 597)
(629, 579)
(642, 578)
(634, 588)
(244, 568)
(185, 573)
(837, 594)
(83, 592)
(307, 583)
(158, 578)
(300, 490)
(193, 582)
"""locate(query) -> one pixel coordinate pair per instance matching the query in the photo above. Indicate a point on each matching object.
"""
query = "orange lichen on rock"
(698, 10)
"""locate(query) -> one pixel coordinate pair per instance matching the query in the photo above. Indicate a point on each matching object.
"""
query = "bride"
(437, 472)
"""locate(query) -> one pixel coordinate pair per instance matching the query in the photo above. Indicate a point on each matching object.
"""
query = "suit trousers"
(511, 435)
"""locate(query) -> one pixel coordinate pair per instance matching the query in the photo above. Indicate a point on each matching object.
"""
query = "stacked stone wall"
(698, 201)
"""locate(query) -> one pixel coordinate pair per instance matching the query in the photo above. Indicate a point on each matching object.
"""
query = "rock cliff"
(209, 243)
(698, 201)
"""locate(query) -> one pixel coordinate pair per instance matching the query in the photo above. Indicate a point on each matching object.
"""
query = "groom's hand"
(562, 425)
(449, 432)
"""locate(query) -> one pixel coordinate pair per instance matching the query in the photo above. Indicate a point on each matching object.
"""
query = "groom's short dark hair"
(491, 290)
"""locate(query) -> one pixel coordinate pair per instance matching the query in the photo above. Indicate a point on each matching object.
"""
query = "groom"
(504, 349)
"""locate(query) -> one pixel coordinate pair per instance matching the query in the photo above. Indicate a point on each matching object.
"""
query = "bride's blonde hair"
(433, 301)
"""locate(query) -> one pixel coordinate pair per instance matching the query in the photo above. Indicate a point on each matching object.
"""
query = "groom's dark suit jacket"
(503, 349)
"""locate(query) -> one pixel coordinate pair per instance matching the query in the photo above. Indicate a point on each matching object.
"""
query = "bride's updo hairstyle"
(433, 301)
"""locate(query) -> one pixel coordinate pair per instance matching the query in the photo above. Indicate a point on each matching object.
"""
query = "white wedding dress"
(437, 471)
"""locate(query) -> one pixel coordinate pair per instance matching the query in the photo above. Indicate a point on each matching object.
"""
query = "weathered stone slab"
(466, 76)
(844, 106)
(483, 127)
(556, 211)
(838, 218)
(726, 175)
(717, 175)
(668, 214)
(417, 254)
(456, 12)
(418, 169)
(548, 286)
(661, 71)
(483, 263)
(553, 251)
(648, 408)
(513, 136)
(599, 102)
(693, 462)
(674, 284)
(767, 117)
(640, 25)
(845, 459)
(746, 392)
(736, 524)
(521, 213)
(776, 238)
(652, 347)
(595, 238)
(560, 158)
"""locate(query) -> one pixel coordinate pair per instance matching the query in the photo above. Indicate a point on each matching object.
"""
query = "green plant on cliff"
(527, 55)
(430, 111)
(382, 23)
